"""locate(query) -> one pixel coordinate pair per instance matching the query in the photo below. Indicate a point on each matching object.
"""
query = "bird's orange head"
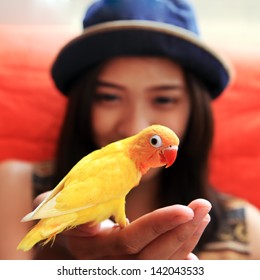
(154, 146)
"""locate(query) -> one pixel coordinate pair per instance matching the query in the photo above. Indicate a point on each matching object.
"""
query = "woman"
(137, 63)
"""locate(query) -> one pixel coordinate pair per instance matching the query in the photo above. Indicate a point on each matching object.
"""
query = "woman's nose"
(132, 122)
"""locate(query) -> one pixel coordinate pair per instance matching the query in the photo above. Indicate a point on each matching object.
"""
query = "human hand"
(167, 233)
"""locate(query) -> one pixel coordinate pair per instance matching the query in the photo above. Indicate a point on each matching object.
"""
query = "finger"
(189, 246)
(84, 230)
(191, 256)
(165, 246)
(168, 245)
(200, 204)
(201, 219)
(40, 198)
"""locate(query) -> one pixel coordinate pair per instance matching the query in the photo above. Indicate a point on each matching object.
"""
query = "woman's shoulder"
(38, 174)
(241, 209)
(13, 165)
(252, 214)
(15, 170)
(236, 236)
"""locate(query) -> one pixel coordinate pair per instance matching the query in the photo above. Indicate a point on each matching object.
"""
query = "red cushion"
(31, 109)
(236, 153)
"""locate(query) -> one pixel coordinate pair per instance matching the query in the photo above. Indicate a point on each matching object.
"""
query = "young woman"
(138, 63)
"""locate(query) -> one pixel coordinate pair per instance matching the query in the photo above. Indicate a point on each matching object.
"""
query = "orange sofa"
(31, 109)
(235, 162)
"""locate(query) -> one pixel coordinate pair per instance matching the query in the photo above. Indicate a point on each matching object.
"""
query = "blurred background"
(232, 23)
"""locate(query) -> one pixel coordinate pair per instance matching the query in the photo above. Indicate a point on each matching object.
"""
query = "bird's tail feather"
(45, 229)
(31, 238)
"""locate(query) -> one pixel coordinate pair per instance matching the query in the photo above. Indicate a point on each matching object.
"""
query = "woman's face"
(135, 92)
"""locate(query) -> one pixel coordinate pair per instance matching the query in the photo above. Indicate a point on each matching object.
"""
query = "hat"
(140, 27)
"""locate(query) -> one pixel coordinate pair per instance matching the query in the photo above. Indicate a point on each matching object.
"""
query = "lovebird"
(95, 188)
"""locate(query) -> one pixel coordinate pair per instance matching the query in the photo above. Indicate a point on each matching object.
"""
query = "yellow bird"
(95, 188)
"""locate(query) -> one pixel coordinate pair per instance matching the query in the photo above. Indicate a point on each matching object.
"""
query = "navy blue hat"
(140, 27)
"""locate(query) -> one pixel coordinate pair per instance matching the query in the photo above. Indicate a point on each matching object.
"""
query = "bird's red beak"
(169, 155)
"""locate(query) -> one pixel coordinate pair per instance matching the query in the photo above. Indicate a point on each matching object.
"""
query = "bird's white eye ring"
(156, 141)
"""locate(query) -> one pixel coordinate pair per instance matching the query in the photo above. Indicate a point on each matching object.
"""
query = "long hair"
(75, 140)
(186, 180)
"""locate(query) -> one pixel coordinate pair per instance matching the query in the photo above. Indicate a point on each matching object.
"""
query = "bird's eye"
(156, 141)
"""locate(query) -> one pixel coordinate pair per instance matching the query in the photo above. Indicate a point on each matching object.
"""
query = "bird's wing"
(104, 179)
(75, 172)
(53, 193)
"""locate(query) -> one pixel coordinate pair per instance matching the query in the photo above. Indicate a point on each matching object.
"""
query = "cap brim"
(140, 37)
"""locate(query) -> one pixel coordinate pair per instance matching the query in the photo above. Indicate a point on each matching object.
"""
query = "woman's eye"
(106, 97)
(165, 100)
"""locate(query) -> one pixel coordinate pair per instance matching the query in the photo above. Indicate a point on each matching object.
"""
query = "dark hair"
(186, 180)
(75, 139)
